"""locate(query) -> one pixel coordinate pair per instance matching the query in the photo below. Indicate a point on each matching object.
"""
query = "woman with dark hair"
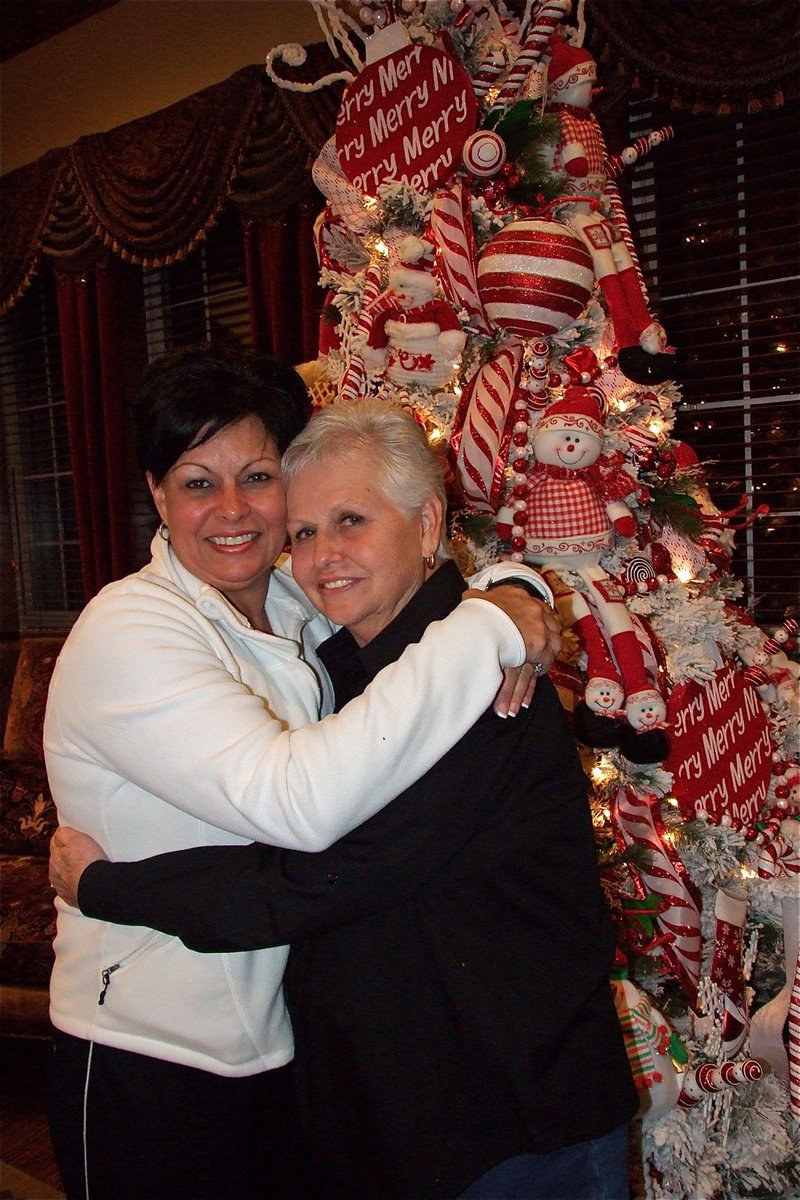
(448, 978)
(183, 711)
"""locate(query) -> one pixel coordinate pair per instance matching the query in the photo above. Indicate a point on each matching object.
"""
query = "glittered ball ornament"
(484, 153)
(535, 278)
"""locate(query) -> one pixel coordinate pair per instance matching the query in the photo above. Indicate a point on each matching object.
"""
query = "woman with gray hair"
(448, 978)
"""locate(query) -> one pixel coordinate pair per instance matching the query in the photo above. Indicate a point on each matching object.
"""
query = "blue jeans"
(596, 1170)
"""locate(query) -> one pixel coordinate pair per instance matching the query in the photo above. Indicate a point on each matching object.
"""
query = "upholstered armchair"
(27, 821)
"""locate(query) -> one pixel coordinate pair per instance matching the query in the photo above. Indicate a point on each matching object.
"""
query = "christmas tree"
(481, 271)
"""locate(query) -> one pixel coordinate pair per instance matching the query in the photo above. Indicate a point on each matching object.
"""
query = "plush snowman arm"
(453, 340)
(621, 518)
(575, 160)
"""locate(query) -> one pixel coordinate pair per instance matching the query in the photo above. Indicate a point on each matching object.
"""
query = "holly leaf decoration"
(528, 135)
(668, 507)
(644, 911)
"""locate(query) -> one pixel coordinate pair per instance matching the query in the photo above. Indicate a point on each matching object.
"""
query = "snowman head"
(411, 289)
(570, 434)
(571, 74)
(411, 279)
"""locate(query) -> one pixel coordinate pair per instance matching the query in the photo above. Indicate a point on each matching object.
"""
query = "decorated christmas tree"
(481, 271)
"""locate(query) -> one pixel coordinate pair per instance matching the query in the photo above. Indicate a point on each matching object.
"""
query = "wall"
(132, 59)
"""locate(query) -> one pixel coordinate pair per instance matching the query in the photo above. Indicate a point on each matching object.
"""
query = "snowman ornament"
(417, 338)
(580, 156)
(570, 515)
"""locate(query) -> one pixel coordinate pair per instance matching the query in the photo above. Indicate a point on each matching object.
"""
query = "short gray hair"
(406, 469)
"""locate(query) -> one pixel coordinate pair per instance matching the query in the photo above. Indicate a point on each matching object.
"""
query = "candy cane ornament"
(451, 228)
(794, 1045)
(482, 428)
(534, 47)
(351, 386)
(495, 64)
(636, 822)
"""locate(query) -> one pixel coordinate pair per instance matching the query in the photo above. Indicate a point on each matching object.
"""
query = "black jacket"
(448, 979)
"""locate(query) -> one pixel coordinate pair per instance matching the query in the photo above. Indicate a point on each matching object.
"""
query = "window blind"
(717, 214)
(43, 528)
(202, 298)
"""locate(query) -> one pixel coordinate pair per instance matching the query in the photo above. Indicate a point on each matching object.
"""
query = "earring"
(163, 532)
(430, 561)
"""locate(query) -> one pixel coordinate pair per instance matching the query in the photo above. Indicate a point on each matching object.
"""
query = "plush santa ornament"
(570, 515)
(580, 155)
(418, 337)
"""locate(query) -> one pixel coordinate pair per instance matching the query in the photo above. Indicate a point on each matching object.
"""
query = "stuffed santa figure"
(418, 337)
(580, 155)
(571, 515)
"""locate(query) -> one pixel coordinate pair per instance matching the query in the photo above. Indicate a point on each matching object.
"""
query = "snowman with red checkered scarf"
(572, 512)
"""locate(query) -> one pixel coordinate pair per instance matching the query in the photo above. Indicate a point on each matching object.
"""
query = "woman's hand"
(516, 690)
(70, 853)
(536, 621)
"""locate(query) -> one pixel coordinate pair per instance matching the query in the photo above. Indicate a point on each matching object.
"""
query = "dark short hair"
(188, 395)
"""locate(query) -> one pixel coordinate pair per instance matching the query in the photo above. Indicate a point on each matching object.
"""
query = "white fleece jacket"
(171, 723)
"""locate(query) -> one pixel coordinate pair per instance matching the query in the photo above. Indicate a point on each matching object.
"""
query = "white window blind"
(204, 297)
(46, 572)
(717, 213)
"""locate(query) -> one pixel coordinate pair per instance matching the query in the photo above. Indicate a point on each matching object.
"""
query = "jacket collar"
(437, 597)
(287, 606)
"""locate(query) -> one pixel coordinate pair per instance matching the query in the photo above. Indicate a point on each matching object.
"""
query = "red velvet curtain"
(90, 311)
(282, 280)
(147, 193)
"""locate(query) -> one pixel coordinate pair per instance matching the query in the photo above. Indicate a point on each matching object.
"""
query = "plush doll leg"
(598, 719)
(596, 237)
(604, 693)
(644, 706)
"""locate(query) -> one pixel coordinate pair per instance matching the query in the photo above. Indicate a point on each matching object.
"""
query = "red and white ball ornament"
(535, 278)
(484, 153)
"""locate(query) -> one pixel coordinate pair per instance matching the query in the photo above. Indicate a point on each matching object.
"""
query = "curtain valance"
(717, 57)
(149, 190)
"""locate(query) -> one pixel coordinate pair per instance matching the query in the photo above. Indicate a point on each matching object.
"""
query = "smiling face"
(567, 448)
(224, 504)
(356, 555)
(412, 289)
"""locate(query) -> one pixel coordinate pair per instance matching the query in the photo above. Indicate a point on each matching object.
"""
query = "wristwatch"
(517, 581)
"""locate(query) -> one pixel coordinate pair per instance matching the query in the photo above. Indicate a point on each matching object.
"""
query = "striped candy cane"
(353, 379)
(620, 219)
(534, 48)
(636, 823)
(482, 428)
(451, 227)
(794, 1045)
(495, 64)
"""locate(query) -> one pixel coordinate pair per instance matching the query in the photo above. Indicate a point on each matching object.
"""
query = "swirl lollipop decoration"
(484, 153)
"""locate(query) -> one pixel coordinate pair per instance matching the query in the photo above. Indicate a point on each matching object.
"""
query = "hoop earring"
(163, 532)
(430, 561)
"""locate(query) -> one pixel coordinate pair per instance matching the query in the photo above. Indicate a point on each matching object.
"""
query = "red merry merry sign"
(405, 117)
(720, 749)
